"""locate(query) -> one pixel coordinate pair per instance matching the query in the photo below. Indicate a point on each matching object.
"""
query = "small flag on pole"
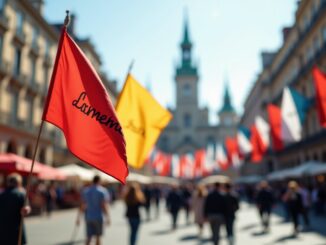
(79, 105)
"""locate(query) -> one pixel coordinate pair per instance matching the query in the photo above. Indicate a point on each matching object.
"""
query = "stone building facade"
(28, 45)
(304, 45)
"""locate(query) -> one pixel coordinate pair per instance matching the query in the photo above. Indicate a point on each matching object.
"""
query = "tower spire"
(186, 38)
(227, 103)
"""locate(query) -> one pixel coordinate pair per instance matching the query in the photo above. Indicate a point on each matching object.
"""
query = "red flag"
(320, 87)
(79, 105)
(258, 149)
(275, 121)
(199, 169)
(162, 163)
(232, 149)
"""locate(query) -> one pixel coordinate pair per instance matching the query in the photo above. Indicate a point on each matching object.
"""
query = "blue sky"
(228, 37)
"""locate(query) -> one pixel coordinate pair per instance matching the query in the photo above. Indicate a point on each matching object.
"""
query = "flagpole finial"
(67, 19)
(131, 65)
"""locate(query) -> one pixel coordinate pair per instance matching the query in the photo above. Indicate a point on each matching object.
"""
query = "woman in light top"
(197, 204)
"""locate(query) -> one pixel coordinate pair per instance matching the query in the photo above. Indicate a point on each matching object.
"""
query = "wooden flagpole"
(28, 185)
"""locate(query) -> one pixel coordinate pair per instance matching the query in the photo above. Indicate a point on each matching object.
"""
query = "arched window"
(12, 148)
(187, 120)
(42, 155)
(28, 151)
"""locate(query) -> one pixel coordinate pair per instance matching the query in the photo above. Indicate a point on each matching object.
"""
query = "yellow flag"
(142, 119)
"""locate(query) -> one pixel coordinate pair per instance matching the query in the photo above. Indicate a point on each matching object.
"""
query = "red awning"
(10, 162)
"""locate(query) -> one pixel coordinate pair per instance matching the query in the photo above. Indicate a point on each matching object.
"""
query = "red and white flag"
(275, 122)
(320, 87)
(79, 105)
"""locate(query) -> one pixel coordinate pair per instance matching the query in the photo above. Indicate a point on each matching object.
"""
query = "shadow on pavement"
(162, 232)
(284, 238)
(248, 227)
(259, 233)
(189, 237)
(72, 242)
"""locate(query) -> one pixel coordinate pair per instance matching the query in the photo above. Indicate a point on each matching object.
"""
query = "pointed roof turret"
(186, 39)
(227, 103)
(186, 67)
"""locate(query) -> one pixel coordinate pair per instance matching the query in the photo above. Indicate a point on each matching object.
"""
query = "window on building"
(165, 143)
(186, 90)
(30, 112)
(47, 48)
(14, 106)
(43, 155)
(20, 22)
(45, 77)
(1, 47)
(17, 61)
(28, 152)
(324, 33)
(2, 5)
(187, 120)
(187, 139)
(33, 70)
(186, 55)
(35, 36)
(12, 148)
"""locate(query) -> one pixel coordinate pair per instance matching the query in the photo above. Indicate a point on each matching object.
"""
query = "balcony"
(20, 38)
(19, 80)
(34, 88)
(4, 69)
(4, 22)
(35, 50)
(5, 118)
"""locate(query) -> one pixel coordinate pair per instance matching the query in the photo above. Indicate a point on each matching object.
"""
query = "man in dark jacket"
(232, 205)
(265, 202)
(174, 202)
(214, 211)
(12, 208)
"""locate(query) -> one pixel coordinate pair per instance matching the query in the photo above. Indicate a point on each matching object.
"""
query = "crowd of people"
(215, 204)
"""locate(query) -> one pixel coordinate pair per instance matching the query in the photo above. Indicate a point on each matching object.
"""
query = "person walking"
(295, 204)
(95, 208)
(265, 201)
(174, 202)
(12, 208)
(50, 198)
(214, 211)
(197, 204)
(186, 197)
(306, 201)
(148, 201)
(232, 205)
(156, 196)
(134, 199)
